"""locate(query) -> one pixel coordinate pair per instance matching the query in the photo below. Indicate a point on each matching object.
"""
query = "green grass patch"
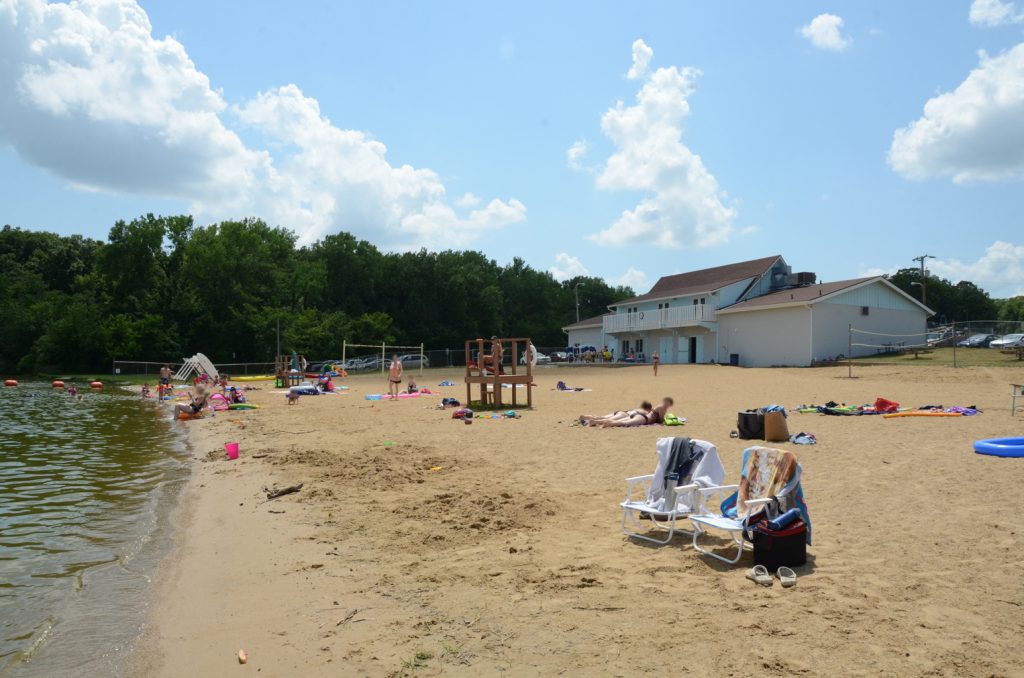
(965, 357)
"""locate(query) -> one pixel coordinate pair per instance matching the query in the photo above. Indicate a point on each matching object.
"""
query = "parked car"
(977, 341)
(414, 360)
(541, 359)
(559, 356)
(1008, 341)
(370, 364)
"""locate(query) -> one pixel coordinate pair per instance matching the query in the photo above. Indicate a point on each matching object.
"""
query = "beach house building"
(755, 313)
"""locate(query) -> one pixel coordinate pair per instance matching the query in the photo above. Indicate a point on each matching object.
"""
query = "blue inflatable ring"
(1000, 447)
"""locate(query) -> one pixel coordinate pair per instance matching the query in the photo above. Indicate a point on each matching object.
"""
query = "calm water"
(85, 495)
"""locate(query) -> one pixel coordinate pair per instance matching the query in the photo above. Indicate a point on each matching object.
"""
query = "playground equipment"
(199, 364)
(487, 368)
(289, 370)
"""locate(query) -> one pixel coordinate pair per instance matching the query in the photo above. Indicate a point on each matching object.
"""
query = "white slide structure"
(198, 363)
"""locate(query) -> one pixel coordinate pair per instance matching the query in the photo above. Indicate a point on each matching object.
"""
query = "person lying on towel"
(638, 417)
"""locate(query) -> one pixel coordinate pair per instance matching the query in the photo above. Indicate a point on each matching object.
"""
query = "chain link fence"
(975, 343)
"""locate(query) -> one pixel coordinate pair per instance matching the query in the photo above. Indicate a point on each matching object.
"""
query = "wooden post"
(383, 367)
(849, 351)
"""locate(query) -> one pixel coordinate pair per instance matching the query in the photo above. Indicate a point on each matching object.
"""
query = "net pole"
(343, 361)
(422, 356)
(954, 343)
(849, 351)
(382, 357)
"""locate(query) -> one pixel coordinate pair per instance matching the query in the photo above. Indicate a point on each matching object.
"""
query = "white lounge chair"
(666, 502)
(768, 474)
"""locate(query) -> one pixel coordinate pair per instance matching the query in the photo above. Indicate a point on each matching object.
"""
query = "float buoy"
(10, 382)
(96, 384)
(1000, 447)
(57, 383)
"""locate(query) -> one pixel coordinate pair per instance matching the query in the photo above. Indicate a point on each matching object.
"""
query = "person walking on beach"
(394, 377)
(656, 360)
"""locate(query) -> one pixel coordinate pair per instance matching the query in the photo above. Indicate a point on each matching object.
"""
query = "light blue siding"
(875, 295)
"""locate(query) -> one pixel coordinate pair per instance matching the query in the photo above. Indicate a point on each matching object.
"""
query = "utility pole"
(576, 289)
(923, 258)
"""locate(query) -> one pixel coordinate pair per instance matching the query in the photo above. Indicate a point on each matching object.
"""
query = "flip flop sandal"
(759, 574)
(786, 576)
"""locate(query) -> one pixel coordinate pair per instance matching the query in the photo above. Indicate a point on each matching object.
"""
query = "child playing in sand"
(412, 388)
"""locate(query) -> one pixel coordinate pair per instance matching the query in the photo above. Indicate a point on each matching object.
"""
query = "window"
(625, 347)
(694, 302)
(639, 345)
(703, 299)
(865, 310)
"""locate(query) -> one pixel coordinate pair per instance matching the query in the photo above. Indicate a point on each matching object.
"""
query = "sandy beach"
(420, 545)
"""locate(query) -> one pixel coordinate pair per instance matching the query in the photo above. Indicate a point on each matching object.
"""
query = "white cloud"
(825, 32)
(975, 132)
(567, 266)
(92, 96)
(641, 60)
(684, 204)
(633, 278)
(575, 154)
(467, 200)
(1000, 271)
(994, 13)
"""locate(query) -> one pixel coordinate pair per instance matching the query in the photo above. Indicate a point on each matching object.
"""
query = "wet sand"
(422, 545)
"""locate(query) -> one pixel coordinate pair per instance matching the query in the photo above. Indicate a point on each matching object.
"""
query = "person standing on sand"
(656, 360)
(165, 375)
(394, 377)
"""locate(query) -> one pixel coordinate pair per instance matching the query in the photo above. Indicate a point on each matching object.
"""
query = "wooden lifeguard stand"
(495, 375)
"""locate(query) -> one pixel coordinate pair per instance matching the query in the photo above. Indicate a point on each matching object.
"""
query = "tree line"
(160, 288)
(957, 302)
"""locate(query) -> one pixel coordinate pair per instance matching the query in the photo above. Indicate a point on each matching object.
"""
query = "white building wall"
(593, 336)
(780, 336)
(832, 322)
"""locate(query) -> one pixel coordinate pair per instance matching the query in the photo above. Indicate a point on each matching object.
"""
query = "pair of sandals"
(760, 575)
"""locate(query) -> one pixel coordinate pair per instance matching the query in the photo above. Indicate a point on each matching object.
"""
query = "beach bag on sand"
(750, 425)
(775, 548)
(775, 428)
(778, 538)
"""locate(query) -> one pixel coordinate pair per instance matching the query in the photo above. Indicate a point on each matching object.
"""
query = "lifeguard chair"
(488, 369)
(286, 372)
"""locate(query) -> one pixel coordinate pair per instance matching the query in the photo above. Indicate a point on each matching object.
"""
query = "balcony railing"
(665, 318)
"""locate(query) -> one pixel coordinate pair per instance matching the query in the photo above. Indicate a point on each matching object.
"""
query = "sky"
(620, 140)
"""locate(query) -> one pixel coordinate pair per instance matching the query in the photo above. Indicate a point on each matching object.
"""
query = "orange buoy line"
(96, 384)
(57, 383)
(10, 382)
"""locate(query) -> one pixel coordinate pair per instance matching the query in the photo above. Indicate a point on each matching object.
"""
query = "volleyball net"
(374, 357)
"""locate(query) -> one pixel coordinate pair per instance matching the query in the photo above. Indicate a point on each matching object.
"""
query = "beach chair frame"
(685, 502)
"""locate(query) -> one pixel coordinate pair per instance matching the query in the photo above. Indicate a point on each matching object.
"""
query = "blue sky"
(847, 136)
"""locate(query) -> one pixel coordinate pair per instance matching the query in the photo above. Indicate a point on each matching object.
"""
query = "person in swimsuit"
(394, 377)
(655, 360)
(165, 375)
(195, 405)
(659, 412)
(637, 417)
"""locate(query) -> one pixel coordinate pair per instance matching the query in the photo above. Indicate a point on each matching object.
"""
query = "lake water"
(86, 492)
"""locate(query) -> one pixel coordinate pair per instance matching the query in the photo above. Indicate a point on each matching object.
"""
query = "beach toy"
(243, 657)
(232, 450)
(57, 383)
(95, 384)
(1000, 447)
(10, 382)
(243, 406)
(921, 414)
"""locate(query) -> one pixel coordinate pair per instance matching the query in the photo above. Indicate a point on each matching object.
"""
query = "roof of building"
(704, 280)
(596, 321)
(811, 294)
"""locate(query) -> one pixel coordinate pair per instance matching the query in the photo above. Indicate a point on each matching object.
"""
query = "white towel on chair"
(706, 472)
